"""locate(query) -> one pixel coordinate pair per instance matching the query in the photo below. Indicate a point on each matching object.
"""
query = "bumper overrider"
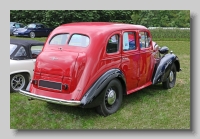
(49, 99)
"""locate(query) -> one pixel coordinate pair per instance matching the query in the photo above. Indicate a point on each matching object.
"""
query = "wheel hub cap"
(111, 97)
(171, 76)
(17, 82)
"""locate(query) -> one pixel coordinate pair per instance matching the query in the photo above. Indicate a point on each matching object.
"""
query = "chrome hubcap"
(111, 96)
(171, 76)
(32, 35)
(17, 82)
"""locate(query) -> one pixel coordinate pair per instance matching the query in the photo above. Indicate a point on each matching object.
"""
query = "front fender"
(93, 96)
(164, 67)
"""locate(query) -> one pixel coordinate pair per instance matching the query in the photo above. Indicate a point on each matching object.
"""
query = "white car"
(23, 54)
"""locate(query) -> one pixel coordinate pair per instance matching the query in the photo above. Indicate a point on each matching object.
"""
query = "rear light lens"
(64, 86)
(35, 82)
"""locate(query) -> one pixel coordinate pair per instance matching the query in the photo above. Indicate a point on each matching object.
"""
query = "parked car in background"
(33, 30)
(93, 64)
(14, 26)
(23, 54)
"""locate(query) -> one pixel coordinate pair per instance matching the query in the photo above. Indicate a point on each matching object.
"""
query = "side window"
(21, 52)
(38, 26)
(129, 41)
(35, 51)
(60, 39)
(144, 40)
(21, 25)
(41, 26)
(17, 25)
(113, 44)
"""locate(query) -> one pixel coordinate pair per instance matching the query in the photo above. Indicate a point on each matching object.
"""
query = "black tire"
(18, 81)
(32, 34)
(110, 106)
(171, 79)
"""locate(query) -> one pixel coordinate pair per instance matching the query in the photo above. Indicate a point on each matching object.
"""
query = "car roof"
(100, 27)
(26, 43)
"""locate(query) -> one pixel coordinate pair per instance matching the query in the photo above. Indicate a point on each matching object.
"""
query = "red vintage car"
(93, 64)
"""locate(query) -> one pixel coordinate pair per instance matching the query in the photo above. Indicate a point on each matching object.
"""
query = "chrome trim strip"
(49, 99)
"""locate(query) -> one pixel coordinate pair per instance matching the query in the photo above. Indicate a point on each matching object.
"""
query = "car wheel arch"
(22, 72)
(163, 67)
(93, 96)
(177, 64)
(20, 79)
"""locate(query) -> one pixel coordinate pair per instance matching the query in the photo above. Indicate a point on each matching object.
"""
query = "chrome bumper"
(49, 99)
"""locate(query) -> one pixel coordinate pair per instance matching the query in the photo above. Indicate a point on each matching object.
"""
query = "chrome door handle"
(125, 58)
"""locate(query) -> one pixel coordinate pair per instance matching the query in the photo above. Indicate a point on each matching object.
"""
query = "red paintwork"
(80, 67)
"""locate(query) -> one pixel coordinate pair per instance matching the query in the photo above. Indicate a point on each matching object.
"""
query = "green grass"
(150, 108)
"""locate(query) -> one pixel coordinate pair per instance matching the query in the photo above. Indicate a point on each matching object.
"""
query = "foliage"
(170, 34)
(162, 18)
(148, 18)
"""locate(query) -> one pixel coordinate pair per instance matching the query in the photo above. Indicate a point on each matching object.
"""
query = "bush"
(170, 34)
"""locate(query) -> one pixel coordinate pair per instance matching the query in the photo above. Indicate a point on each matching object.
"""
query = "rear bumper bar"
(49, 99)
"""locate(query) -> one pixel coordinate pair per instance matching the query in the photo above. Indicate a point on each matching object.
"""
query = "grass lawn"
(150, 108)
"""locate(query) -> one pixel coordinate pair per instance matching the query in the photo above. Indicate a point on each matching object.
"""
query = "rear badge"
(54, 58)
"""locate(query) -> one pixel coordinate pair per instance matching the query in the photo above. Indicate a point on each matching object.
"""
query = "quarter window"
(144, 40)
(21, 52)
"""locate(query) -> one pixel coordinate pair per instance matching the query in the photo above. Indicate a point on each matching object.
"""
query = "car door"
(112, 57)
(40, 30)
(45, 31)
(146, 58)
(130, 59)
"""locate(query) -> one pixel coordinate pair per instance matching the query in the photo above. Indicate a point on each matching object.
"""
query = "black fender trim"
(93, 96)
(163, 68)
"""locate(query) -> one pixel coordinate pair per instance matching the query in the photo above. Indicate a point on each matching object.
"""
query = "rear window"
(60, 39)
(75, 40)
(79, 40)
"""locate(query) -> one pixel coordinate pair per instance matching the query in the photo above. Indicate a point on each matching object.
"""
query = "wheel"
(32, 35)
(18, 81)
(112, 98)
(171, 80)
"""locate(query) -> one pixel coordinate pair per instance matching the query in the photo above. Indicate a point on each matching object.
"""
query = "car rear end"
(58, 69)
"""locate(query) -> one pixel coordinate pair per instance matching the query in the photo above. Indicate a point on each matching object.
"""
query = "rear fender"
(94, 97)
(164, 66)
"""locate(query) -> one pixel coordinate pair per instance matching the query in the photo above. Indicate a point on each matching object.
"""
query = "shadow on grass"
(72, 110)
(135, 97)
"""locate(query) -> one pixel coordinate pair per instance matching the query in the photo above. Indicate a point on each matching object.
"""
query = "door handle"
(124, 58)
